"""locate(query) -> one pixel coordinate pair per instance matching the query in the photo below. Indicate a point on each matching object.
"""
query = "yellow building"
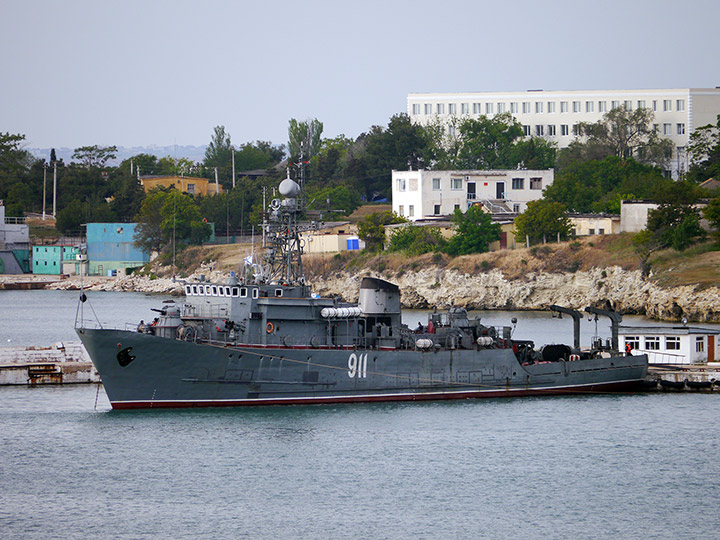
(185, 184)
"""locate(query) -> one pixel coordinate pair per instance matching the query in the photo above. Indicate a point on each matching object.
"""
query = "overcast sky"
(137, 73)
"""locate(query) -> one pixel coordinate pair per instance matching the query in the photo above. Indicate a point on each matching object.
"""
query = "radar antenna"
(282, 261)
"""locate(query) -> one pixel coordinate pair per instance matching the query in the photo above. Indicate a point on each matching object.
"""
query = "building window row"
(588, 106)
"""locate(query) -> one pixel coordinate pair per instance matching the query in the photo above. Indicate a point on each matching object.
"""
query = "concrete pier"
(686, 378)
(60, 363)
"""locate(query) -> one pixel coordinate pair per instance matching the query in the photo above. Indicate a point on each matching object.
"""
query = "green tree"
(675, 225)
(487, 143)
(416, 240)
(704, 151)
(94, 156)
(712, 214)
(304, 138)
(474, 232)
(149, 234)
(371, 229)
(542, 220)
(597, 185)
(219, 154)
(622, 133)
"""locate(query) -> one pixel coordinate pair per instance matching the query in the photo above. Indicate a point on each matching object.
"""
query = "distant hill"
(194, 153)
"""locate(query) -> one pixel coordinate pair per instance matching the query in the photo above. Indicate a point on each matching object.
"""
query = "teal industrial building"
(110, 249)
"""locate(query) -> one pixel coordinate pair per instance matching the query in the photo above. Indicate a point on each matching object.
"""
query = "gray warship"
(266, 339)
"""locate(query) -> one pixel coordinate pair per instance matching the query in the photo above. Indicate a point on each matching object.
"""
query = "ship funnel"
(289, 188)
(379, 297)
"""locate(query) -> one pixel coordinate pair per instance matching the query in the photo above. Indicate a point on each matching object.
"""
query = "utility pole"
(44, 181)
(54, 186)
(233, 166)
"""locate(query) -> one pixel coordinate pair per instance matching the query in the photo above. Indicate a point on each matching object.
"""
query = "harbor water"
(639, 466)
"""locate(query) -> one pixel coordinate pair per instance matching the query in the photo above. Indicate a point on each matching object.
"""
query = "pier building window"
(602, 106)
(518, 183)
(477, 108)
(551, 130)
(672, 343)
(614, 104)
(551, 106)
(401, 210)
(538, 107)
(428, 108)
(680, 105)
(436, 210)
(667, 105)
(540, 130)
(401, 184)
(465, 108)
(564, 130)
(641, 104)
(526, 130)
(628, 105)
(456, 184)
(589, 106)
(513, 107)
(416, 108)
(452, 108)
(633, 341)
(526, 107)
(667, 129)
(563, 106)
(536, 183)
(411, 210)
(488, 108)
(699, 344)
(440, 108)
(501, 108)
(654, 105)
(591, 231)
(576, 106)
(681, 129)
(436, 184)
(652, 343)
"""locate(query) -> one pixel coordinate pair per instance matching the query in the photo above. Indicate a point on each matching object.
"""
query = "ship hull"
(144, 371)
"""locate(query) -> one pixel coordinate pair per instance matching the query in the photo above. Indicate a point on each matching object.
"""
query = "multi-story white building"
(421, 194)
(554, 115)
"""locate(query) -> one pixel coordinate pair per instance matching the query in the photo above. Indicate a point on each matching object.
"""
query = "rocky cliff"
(624, 291)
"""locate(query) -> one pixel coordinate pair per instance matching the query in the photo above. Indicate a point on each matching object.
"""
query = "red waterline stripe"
(593, 388)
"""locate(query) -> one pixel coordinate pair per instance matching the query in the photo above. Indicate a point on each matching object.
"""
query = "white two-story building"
(423, 194)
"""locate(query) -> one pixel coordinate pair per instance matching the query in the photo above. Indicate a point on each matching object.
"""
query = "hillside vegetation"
(698, 265)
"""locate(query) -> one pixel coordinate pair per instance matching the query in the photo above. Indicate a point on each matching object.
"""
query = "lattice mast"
(282, 262)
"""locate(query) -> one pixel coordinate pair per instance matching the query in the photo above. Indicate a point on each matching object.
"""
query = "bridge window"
(243, 292)
(214, 290)
(227, 291)
(255, 293)
(278, 293)
(235, 292)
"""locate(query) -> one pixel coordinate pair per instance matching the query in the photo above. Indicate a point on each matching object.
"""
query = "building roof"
(666, 330)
